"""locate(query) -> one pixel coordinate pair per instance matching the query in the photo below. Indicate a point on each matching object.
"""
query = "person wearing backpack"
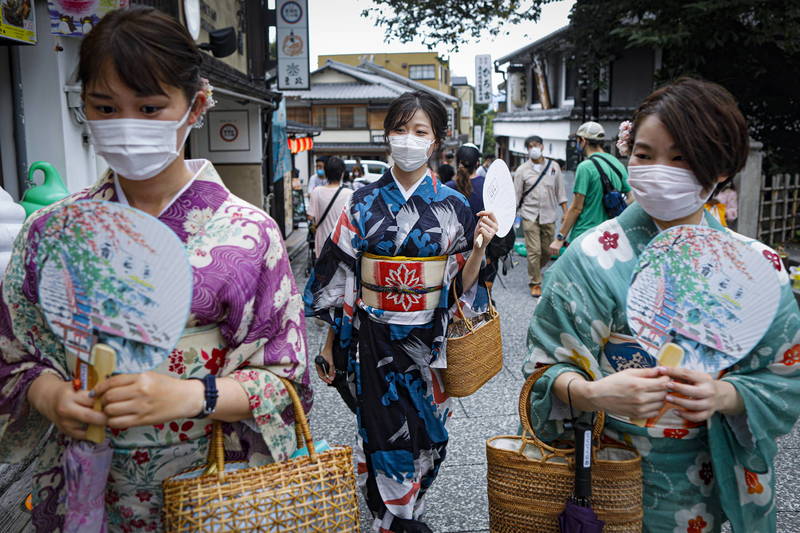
(601, 189)
(539, 186)
(327, 202)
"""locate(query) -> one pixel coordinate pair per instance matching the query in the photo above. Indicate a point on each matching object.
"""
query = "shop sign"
(18, 21)
(76, 18)
(292, 40)
(483, 79)
(228, 131)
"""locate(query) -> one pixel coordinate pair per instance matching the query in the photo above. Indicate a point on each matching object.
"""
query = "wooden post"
(748, 185)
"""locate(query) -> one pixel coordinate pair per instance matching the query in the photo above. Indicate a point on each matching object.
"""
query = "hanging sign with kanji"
(483, 79)
(292, 35)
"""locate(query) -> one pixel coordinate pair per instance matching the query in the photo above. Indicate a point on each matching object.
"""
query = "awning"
(223, 76)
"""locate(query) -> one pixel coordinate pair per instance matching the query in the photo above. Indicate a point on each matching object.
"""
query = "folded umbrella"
(578, 516)
(86, 467)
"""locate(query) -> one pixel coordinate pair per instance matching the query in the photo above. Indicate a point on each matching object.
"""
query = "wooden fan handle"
(104, 360)
(670, 355)
(480, 241)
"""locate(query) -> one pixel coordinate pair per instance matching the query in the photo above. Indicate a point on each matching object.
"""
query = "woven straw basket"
(316, 492)
(474, 354)
(529, 482)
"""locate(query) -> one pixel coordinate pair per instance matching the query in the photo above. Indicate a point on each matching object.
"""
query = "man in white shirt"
(488, 159)
(327, 202)
(318, 178)
(539, 185)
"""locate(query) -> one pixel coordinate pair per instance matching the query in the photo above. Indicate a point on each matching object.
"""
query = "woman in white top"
(327, 202)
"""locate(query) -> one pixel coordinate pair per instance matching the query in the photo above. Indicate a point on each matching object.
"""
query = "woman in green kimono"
(711, 458)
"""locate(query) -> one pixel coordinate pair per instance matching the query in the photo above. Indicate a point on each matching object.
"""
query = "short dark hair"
(446, 172)
(404, 106)
(533, 139)
(146, 47)
(334, 169)
(706, 124)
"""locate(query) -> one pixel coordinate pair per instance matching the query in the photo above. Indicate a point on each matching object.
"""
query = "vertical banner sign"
(483, 79)
(281, 156)
(292, 35)
(18, 21)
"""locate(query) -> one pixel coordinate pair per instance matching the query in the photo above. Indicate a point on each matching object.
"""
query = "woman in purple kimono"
(143, 93)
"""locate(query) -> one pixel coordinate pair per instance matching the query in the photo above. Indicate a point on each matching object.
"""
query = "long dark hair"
(146, 47)
(706, 124)
(404, 106)
(467, 157)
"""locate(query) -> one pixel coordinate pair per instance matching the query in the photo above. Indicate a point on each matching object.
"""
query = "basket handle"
(467, 321)
(525, 420)
(216, 448)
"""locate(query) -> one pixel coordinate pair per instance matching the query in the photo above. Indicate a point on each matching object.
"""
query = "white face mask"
(666, 193)
(409, 152)
(535, 153)
(138, 149)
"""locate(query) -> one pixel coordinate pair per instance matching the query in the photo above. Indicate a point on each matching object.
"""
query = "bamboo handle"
(670, 355)
(104, 360)
(479, 240)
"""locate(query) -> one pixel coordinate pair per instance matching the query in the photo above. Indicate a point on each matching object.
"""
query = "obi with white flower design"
(402, 283)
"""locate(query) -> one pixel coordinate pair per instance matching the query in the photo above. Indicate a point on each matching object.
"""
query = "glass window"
(422, 72)
(359, 117)
(570, 80)
(331, 117)
(346, 117)
(374, 168)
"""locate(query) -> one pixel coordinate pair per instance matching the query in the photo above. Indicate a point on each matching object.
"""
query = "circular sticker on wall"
(228, 132)
(291, 12)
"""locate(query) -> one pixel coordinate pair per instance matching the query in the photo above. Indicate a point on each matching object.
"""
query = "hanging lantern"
(301, 145)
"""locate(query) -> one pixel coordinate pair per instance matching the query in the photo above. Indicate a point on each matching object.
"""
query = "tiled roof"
(345, 91)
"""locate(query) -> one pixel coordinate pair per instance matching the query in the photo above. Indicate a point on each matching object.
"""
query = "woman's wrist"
(193, 391)
(42, 391)
(728, 400)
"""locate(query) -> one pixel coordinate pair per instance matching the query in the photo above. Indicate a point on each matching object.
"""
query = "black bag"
(613, 200)
(501, 246)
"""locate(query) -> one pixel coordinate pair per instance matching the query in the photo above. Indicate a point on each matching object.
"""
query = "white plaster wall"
(254, 155)
(554, 133)
(51, 133)
(343, 136)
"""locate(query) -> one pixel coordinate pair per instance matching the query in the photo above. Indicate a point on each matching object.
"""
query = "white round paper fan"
(114, 273)
(499, 196)
(702, 284)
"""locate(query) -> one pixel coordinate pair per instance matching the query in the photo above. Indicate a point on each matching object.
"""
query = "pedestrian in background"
(725, 206)
(708, 457)
(318, 178)
(142, 96)
(587, 209)
(327, 202)
(385, 344)
(488, 159)
(445, 173)
(539, 187)
(466, 181)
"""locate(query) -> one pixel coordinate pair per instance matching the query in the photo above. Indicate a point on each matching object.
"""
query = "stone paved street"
(458, 501)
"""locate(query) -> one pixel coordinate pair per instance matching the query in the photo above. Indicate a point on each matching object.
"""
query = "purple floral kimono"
(246, 322)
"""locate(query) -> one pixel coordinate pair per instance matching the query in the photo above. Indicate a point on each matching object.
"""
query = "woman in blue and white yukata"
(386, 281)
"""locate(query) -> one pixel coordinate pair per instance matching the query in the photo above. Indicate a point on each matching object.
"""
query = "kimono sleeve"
(27, 349)
(475, 299)
(744, 450)
(265, 328)
(565, 332)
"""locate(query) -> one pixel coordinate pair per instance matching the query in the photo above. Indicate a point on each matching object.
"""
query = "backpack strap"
(327, 209)
(542, 175)
(607, 185)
